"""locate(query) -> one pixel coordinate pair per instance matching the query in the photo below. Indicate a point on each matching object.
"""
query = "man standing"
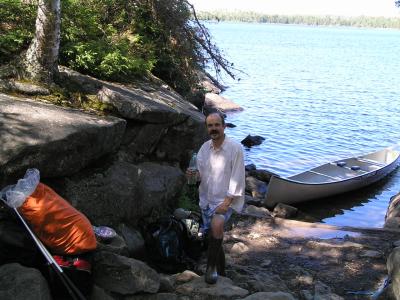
(221, 166)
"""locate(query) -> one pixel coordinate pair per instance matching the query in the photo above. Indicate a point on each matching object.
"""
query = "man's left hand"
(224, 206)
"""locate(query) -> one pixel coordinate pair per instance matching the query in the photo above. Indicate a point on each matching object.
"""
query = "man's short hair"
(220, 114)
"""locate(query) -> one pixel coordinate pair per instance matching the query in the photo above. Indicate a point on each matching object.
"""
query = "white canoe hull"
(332, 178)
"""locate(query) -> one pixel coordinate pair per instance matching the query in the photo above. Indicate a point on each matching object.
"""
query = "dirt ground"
(351, 261)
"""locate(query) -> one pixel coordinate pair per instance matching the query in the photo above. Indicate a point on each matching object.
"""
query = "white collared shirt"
(222, 174)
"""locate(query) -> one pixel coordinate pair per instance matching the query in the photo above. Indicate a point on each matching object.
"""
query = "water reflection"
(315, 232)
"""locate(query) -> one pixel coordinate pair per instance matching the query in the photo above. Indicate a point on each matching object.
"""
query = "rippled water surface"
(317, 94)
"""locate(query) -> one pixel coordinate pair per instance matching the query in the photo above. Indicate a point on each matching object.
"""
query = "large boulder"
(255, 187)
(221, 103)
(123, 192)
(157, 116)
(56, 140)
(124, 276)
(392, 218)
(20, 283)
(393, 266)
(158, 119)
(198, 289)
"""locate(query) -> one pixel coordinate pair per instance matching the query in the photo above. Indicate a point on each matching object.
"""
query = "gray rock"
(262, 175)
(184, 277)
(134, 241)
(284, 211)
(58, 141)
(306, 295)
(393, 266)
(124, 276)
(392, 222)
(191, 134)
(270, 296)
(21, 283)
(159, 296)
(252, 201)
(371, 254)
(239, 249)
(223, 289)
(99, 294)
(221, 103)
(158, 141)
(252, 210)
(266, 263)
(117, 245)
(392, 218)
(324, 292)
(125, 192)
(268, 283)
(255, 187)
(23, 87)
(138, 105)
(76, 81)
(250, 167)
(166, 284)
(252, 140)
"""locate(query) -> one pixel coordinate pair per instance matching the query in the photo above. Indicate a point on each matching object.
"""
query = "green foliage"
(250, 16)
(189, 198)
(16, 23)
(119, 39)
(166, 25)
(97, 40)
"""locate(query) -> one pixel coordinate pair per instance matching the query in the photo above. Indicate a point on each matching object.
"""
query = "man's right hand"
(192, 176)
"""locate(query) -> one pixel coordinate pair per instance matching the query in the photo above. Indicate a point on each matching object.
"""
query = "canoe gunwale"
(356, 177)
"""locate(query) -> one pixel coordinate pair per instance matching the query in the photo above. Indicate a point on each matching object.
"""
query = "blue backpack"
(170, 245)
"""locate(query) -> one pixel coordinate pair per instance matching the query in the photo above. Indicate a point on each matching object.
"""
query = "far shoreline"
(306, 20)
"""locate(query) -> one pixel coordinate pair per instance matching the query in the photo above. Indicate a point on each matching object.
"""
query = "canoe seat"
(355, 168)
(372, 162)
(317, 173)
(341, 163)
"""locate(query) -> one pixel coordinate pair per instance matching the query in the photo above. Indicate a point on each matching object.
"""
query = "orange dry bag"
(57, 223)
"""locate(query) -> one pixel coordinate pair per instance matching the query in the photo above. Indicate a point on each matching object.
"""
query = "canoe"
(332, 178)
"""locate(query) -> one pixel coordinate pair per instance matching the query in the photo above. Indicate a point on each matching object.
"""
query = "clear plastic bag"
(15, 195)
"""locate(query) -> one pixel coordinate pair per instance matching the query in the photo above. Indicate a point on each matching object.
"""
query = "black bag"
(16, 245)
(170, 246)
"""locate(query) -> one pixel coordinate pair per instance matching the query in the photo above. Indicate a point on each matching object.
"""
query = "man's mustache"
(213, 131)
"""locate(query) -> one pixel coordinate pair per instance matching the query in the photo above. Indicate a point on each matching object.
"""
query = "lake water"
(316, 94)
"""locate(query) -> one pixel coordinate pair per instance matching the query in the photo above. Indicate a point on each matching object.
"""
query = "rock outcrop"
(21, 283)
(112, 168)
(56, 140)
(124, 192)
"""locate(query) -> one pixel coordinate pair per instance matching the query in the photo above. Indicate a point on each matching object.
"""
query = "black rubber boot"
(221, 262)
(214, 247)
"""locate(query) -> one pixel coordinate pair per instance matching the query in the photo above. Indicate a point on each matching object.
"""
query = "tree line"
(250, 16)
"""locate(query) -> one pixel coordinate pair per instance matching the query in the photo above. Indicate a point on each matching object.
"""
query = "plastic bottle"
(192, 177)
(15, 195)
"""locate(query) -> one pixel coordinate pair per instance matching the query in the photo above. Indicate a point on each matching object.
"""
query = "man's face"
(215, 127)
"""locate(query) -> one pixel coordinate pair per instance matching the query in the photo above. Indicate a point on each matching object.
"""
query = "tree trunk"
(42, 55)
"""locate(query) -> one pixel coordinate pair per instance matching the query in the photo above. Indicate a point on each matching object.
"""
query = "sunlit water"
(317, 94)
